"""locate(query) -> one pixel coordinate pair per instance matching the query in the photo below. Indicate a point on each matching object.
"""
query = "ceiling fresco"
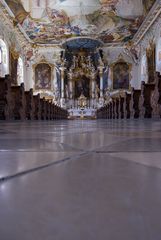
(111, 21)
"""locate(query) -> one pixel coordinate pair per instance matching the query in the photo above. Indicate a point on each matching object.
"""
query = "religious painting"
(43, 76)
(151, 62)
(82, 87)
(121, 75)
(109, 20)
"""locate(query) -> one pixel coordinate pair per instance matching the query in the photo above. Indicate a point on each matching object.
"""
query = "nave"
(80, 180)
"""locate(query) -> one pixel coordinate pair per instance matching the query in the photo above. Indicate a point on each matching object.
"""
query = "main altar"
(83, 85)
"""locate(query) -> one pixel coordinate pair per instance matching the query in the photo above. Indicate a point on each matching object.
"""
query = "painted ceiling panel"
(111, 21)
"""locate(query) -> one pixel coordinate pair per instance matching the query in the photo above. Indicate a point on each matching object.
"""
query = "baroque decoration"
(114, 21)
(121, 74)
(43, 73)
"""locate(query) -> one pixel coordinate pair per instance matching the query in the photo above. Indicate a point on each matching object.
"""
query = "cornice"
(8, 21)
(150, 19)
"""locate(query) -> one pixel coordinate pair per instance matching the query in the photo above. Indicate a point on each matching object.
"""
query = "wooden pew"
(47, 110)
(19, 102)
(135, 103)
(117, 108)
(156, 97)
(50, 111)
(113, 108)
(108, 111)
(29, 105)
(146, 94)
(37, 107)
(6, 106)
(55, 111)
(121, 100)
(127, 104)
(43, 108)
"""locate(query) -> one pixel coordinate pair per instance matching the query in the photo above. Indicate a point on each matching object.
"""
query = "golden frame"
(43, 61)
(120, 60)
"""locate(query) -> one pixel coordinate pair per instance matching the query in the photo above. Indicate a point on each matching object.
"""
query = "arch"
(4, 58)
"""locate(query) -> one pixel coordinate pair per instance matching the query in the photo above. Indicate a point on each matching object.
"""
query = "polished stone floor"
(80, 180)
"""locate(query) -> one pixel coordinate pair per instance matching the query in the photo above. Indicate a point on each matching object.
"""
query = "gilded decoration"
(112, 21)
(14, 53)
(43, 72)
(121, 74)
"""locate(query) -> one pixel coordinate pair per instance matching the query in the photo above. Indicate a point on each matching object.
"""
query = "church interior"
(80, 119)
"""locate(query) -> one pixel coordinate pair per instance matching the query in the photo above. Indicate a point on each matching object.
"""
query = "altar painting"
(42, 76)
(121, 76)
(82, 86)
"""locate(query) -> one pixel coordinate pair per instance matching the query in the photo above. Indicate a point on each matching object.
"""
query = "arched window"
(4, 61)
(20, 71)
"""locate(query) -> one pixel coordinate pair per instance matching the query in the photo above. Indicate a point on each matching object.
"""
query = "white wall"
(112, 55)
(51, 56)
(4, 66)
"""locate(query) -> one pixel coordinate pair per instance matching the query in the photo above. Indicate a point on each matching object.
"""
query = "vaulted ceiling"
(111, 21)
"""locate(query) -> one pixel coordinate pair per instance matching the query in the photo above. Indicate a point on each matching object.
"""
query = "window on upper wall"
(4, 60)
(20, 73)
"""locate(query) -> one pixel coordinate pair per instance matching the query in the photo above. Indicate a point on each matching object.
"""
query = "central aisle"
(74, 180)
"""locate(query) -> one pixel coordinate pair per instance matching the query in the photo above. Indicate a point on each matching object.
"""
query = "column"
(93, 88)
(101, 99)
(101, 81)
(62, 81)
(62, 101)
